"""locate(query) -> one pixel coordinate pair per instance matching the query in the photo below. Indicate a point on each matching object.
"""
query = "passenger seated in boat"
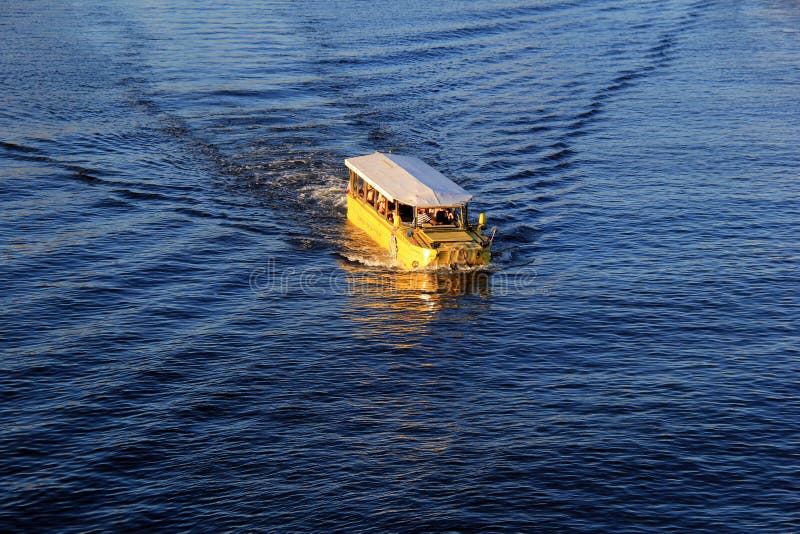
(381, 204)
(370, 195)
(423, 217)
(444, 216)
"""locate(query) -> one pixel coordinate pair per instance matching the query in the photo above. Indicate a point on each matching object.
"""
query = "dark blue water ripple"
(193, 339)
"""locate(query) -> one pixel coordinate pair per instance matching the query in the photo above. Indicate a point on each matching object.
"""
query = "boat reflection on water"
(433, 283)
(400, 306)
(397, 307)
(406, 315)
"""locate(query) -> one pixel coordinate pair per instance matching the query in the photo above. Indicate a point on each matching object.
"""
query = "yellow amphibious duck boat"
(415, 211)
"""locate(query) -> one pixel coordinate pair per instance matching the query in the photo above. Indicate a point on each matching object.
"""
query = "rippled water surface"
(194, 339)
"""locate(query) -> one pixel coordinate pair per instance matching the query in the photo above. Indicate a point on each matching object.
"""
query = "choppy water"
(193, 339)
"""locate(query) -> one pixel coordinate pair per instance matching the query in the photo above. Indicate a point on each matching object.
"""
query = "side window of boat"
(406, 213)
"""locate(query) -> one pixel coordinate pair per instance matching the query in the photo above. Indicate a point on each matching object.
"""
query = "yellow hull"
(417, 248)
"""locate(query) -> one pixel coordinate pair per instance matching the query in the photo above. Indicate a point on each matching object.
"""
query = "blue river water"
(192, 338)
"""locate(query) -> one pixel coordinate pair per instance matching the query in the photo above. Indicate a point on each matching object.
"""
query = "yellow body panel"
(418, 248)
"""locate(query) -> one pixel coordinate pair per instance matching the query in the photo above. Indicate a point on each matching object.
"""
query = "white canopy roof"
(408, 180)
